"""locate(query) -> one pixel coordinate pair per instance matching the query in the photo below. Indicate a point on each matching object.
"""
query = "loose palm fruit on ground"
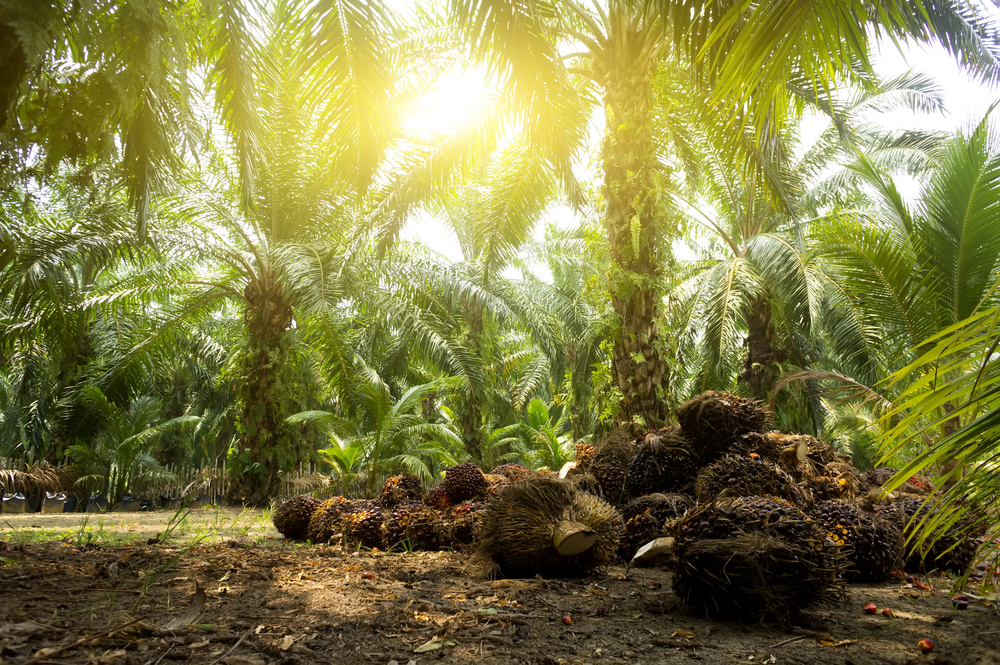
(414, 526)
(399, 490)
(734, 476)
(926, 645)
(663, 462)
(291, 518)
(871, 608)
(713, 421)
(464, 481)
(543, 526)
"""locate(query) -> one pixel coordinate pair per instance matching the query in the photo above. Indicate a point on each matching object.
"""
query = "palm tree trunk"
(635, 220)
(264, 447)
(469, 407)
(760, 366)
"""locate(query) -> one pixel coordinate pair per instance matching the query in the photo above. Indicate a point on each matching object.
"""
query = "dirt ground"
(76, 594)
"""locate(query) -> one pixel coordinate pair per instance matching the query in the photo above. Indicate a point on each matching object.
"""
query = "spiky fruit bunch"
(769, 515)
(664, 507)
(639, 530)
(955, 549)
(584, 455)
(325, 522)
(663, 462)
(874, 544)
(438, 498)
(735, 475)
(363, 527)
(512, 472)
(713, 421)
(823, 488)
(767, 445)
(610, 467)
(650, 517)
(776, 560)
(465, 521)
(495, 483)
(399, 490)
(585, 482)
(291, 518)
(464, 481)
(414, 526)
(542, 526)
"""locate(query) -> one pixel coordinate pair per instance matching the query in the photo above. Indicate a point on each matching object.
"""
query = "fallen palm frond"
(35, 480)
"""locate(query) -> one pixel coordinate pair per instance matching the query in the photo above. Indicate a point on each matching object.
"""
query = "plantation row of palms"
(200, 251)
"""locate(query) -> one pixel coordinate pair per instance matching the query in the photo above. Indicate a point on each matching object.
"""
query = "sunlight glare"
(454, 99)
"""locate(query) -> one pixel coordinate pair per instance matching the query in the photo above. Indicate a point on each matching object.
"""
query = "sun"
(450, 103)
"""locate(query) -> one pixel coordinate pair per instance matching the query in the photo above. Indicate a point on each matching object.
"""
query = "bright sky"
(458, 95)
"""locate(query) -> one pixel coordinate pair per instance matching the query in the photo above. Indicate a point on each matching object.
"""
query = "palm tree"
(619, 46)
(118, 460)
(391, 432)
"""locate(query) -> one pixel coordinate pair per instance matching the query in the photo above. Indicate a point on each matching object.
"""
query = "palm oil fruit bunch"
(399, 490)
(776, 560)
(464, 481)
(650, 517)
(438, 498)
(955, 549)
(584, 455)
(736, 475)
(291, 518)
(543, 526)
(766, 445)
(325, 522)
(610, 467)
(512, 472)
(713, 421)
(494, 484)
(664, 507)
(663, 462)
(878, 551)
(823, 488)
(465, 521)
(414, 526)
(363, 526)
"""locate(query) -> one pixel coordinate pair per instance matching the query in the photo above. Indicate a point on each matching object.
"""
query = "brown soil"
(281, 602)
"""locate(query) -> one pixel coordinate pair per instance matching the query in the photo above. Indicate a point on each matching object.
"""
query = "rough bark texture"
(761, 365)
(12, 69)
(264, 436)
(632, 190)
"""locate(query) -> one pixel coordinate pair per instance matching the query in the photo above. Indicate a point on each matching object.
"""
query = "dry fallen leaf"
(192, 613)
(286, 643)
(23, 628)
(433, 645)
(682, 633)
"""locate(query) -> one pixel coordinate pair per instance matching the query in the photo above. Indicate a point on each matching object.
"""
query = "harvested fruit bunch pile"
(787, 517)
